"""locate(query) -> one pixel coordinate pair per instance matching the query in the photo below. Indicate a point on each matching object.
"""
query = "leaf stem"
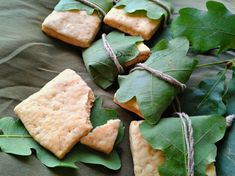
(216, 63)
(15, 136)
(211, 90)
(178, 104)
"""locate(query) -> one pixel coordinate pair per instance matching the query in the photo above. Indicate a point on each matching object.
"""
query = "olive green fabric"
(29, 59)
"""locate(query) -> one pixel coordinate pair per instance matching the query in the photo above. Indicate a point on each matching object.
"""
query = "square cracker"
(58, 115)
(74, 27)
(133, 24)
(146, 159)
(103, 137)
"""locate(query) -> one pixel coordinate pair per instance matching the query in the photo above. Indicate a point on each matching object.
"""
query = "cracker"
(144, 53)
(133, 24)
(146, 159)
(74, 27)
(103, 137)
(57, 116)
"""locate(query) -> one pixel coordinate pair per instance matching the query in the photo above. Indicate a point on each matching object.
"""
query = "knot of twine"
(160, 75)
(116, 1)
(189, 141)
(94, 6)
(112, 54)
(162, 5)
(229, 120)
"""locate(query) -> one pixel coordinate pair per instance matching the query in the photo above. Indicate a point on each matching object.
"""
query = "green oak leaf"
(206, 30)
(152, 10)
(101, 115)
(90, 156)
(226, 153)
(98, 62)
(153, 95)
(161, 45)
(16, 140)
(65, 5)
(207, 130)
(230, 96)
(205, 99)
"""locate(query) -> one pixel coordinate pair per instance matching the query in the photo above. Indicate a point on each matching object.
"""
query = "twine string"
(189, 141)
(116, 1)
(229, 120)
(160, 75)
(112, 54)
(94, 6)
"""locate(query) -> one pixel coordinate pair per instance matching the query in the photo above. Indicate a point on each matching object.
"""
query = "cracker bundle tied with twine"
(139, 18)
(150, 87)
(76, 22)
(187, 143)
(109, 56)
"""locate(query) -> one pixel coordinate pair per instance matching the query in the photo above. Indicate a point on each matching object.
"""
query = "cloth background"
(29, 59)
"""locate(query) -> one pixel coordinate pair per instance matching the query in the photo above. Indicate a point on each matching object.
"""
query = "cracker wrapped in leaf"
(128, 50)
(76, 21)
(147, 94)
(165, 151)
(136, 17)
